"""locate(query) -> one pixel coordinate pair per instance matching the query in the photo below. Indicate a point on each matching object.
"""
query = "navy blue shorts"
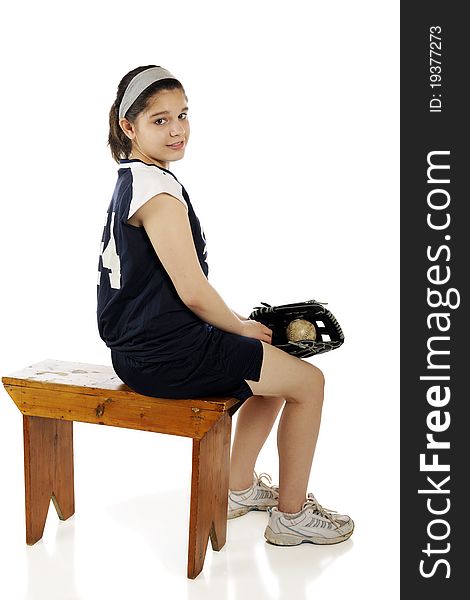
(219, 369)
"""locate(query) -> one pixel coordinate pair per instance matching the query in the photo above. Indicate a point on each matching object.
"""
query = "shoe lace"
(265, 486)
(313, 503)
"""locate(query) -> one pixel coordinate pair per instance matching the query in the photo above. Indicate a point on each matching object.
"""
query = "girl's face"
(160, 133)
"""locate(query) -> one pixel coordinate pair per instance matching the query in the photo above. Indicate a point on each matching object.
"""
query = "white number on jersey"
(204, 252)
(110, 257)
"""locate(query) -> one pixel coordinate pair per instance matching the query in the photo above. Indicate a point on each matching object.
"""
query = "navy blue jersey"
(139, 311)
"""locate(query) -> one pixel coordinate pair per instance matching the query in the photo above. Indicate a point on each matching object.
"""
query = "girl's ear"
(127, 127)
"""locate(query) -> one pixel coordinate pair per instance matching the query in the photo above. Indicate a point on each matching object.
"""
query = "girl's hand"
(257, 330)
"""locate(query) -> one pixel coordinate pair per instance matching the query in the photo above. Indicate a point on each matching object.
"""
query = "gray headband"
(139, 83)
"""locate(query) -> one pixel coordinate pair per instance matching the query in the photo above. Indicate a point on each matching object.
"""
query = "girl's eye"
(183, 115)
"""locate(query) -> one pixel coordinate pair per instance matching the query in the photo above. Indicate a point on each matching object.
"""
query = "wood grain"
(48, 469)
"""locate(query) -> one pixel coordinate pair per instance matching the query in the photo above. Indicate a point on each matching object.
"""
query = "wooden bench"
(52, 394)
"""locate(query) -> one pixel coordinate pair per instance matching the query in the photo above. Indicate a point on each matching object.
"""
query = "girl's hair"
(120, 145)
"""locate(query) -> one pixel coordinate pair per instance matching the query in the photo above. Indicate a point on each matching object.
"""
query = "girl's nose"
(177, 129)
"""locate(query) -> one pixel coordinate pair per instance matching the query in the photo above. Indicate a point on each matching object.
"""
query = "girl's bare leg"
(255, 419)
(302, 385)
(297, 435)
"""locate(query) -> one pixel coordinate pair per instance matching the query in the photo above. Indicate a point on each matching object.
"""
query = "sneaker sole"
(287, 539)
(239, 512)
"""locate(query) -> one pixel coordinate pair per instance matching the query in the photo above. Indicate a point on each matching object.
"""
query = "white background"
(293, 169)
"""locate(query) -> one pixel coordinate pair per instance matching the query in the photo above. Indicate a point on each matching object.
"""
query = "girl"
(172, 335)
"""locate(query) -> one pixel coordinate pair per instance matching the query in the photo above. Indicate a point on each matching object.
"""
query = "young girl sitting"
(172, 335)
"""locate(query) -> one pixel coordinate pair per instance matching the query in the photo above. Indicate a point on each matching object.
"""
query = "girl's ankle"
(238, 489)
(289, 510)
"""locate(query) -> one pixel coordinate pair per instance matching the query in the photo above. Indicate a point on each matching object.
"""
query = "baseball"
(300, 329)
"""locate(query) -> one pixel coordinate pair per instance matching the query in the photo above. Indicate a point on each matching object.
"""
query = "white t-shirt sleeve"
(147, 182)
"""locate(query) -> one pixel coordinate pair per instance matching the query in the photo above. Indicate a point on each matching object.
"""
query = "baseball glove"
(327, 334)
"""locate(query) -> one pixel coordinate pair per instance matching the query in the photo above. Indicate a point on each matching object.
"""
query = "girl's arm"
(166, 222)
(239, 316)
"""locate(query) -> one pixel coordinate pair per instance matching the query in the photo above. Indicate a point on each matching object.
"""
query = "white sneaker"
(259, 496)
(312, 523)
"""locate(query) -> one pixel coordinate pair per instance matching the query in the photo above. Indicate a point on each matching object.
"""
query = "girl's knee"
(310, 386)
(316, 377)
(288, 376)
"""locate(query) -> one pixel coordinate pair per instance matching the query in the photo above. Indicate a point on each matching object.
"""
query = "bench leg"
(48, 470)
(209, 493)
